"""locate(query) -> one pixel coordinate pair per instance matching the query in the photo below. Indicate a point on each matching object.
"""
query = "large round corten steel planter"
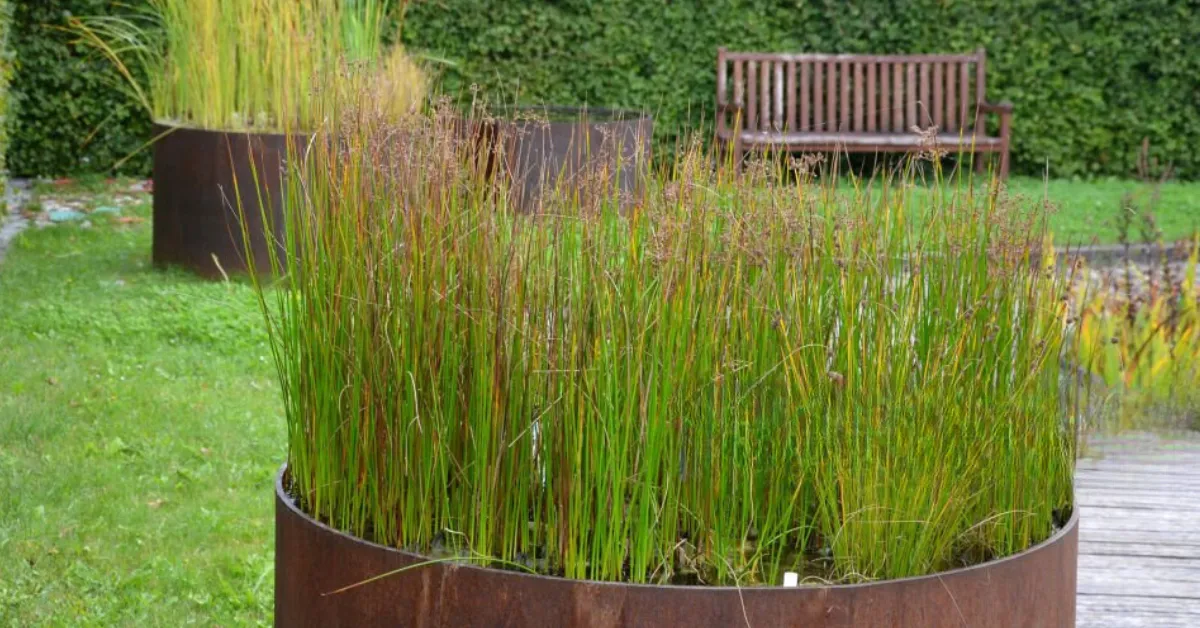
(586, 153)
(199, 176)
(1035, 588)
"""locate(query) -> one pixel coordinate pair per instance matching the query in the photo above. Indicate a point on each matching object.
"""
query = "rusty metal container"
(1035, 588)
(199, 175)
(588, 153)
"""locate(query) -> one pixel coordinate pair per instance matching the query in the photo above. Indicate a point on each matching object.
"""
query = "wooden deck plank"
(1087, 491)
(1154, 501)
(1101, 535)
(1093, 530)
(1182, 468)
(1158, 568)
(1118, 584)
(1161, 480)
(1172, 455)
(1159, 550)
(1139, 532)
(1164, 469)
(1130, 520)
(1090, 485)
(1127, 611)
(1148, 606)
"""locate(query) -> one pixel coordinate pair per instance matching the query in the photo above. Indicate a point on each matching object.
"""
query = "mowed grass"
(1085, 212)
(140, 427)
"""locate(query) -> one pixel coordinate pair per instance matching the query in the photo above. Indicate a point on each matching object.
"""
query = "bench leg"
(980, 162)
(727, 154)
(1005, 141)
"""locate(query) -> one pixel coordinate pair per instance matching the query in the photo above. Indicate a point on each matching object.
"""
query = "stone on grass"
(64, 215)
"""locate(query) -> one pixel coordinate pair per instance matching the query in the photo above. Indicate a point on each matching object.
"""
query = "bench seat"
(867, 141)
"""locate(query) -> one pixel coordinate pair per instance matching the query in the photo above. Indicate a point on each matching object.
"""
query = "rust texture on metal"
(1035, 588)
(199, 175)
(594, 153)
(925, 92)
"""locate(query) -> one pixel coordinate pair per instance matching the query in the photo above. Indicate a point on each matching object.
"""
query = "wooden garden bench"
(857, 103)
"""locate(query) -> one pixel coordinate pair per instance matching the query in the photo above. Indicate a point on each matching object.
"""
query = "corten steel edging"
(1115, 255)
(1035, 588)
(564, 153)
(196, 215)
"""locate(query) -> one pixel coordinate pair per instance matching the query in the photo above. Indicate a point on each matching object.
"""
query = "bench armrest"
(1001, 107)
(1005, 110)
(728, 113)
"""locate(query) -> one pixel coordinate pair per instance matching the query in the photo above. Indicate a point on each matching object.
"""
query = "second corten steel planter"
(199, 175)
(1034, 588)
(197, 223)
(586, 153)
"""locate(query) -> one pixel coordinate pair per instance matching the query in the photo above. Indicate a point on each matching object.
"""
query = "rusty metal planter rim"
(281, 496)
(166, 126)
(577, 113)
(163, 128)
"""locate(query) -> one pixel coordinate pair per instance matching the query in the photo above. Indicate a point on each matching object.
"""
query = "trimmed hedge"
(1089, 78)
(6, 62)
(69, 115)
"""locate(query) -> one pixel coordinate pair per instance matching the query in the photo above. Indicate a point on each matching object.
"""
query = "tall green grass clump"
(732, 377)
(251, 64)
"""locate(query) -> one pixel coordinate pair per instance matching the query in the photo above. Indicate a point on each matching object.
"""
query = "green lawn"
(139, 431)
(1087, 210)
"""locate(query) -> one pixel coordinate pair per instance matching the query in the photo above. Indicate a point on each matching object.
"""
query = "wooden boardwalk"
(1139, 532)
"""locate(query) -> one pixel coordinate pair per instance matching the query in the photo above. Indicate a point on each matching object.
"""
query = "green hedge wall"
(1089, 78)
(67, 115)
(6, 62)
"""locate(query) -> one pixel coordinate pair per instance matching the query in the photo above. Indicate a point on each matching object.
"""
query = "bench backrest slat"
(910, 96)
(951, 119)
(818, 106)
(924, 102)
(834, 93)
(897, 97)
(831, 97)
(964, 97)
(804, 107)
(939, 103)
(873, 109)
(980, 73)
(777, 83)
(752, 95)
(768, 111)
(791, 97)
(856, 70)
(842, 97)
